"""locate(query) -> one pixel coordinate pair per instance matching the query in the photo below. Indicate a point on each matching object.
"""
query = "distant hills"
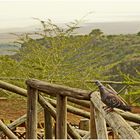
(106, 27)
(112, 27)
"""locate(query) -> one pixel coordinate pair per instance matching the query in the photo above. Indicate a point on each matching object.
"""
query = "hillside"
(108, 54)
(72, 59)
(111, 54)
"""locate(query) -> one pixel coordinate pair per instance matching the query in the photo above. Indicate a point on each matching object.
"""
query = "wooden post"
(84, 124)
(31, 132)
(100, 125)
(7, 131)
(48, 125)
(54, 130)
(61, 118)
(93, 133)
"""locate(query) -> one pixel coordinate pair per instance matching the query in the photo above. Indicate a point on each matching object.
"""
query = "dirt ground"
(12, 109)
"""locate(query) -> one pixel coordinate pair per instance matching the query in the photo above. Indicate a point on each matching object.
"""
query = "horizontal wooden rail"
(58, 89)
(129, 116)
(83, 103)
(115, 82)
(13, 88)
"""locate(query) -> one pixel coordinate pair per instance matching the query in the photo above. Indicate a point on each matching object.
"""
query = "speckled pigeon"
(111, 99)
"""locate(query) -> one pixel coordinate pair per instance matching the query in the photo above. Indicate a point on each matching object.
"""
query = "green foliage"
(60, 56)
(138, 33)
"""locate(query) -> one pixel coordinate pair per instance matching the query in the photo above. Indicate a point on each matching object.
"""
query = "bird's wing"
(113, 101)
(115, 94)
(110, 91)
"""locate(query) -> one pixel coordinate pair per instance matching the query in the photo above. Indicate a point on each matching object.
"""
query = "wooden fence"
(99, 119)
(98, 116)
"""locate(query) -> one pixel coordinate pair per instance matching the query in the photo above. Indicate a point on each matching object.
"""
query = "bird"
(111, 99)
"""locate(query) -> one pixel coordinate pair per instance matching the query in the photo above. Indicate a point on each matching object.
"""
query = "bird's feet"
(107, 109)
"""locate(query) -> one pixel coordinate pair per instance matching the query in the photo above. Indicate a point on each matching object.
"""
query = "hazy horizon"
(111, 16)
(106, 27)
(18, 14)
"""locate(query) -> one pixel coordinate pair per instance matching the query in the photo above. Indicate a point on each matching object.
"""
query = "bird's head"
(98, 83)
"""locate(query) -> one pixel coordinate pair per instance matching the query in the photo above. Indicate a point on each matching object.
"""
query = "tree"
(138, 33)
(96, 33)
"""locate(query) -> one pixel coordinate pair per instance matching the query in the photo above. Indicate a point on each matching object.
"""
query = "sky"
(20, 13)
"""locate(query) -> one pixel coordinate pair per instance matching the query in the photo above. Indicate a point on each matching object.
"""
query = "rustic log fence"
(97, 116)
(57, 109)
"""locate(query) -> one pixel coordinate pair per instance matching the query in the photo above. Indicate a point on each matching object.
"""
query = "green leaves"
(60, 56)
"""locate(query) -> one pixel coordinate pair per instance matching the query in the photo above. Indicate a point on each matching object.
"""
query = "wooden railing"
(61, 93)
(37, 91)
(98, 116)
